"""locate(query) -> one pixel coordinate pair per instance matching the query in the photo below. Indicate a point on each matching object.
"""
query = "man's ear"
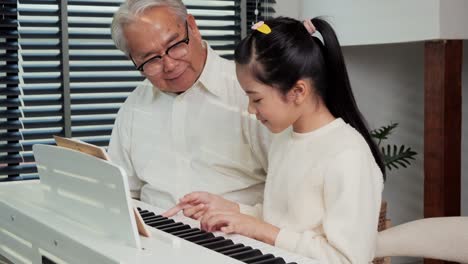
(299, 92)
(193, 28)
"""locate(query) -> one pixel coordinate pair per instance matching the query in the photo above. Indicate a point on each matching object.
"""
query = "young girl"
(325, 177)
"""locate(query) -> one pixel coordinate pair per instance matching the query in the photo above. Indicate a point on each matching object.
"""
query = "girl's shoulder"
(341, 138)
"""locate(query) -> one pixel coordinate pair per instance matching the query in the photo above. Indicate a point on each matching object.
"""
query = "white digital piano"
(80, 212)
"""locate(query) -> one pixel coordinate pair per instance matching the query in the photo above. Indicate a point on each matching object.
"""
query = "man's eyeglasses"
(154, 65)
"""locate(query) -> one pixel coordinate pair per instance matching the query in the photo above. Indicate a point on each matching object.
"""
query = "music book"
(100, 153)
(82, 146)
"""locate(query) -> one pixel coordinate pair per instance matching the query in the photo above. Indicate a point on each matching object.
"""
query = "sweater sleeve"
(255, 211)
(352, 196)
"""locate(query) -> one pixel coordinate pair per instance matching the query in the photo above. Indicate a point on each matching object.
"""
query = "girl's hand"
(196, 204)
(237, 223)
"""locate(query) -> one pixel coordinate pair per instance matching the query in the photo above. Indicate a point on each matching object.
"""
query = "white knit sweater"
(323, 191)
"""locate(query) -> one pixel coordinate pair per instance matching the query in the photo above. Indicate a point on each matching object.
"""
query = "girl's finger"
(216, 221)
(199, 214)
(229, 229)
(173, 211)
(189, 212)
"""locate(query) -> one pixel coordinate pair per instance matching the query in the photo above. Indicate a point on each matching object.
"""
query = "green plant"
(394, 156)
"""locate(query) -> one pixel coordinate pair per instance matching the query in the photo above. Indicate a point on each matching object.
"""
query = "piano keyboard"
(235, 246)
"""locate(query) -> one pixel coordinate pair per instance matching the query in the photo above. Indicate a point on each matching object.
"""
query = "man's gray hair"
(131, 9)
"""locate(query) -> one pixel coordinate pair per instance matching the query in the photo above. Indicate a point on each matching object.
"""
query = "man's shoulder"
(142, 93)
(227, 64)
(219, 77)
(223, 66)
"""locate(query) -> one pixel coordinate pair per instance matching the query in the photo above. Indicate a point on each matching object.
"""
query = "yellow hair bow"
(262, 27)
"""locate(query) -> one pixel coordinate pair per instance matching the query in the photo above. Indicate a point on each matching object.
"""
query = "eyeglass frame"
(185, 40)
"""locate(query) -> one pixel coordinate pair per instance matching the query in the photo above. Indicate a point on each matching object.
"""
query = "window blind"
(62, 75)
(266, 9)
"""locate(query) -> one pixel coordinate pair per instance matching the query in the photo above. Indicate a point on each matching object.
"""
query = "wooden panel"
(442, 129)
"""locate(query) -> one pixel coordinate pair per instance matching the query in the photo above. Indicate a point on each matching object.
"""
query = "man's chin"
(177, 90)
(178, 85)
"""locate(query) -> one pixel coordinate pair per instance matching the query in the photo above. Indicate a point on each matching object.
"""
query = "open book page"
(81, 146)
(100, 153)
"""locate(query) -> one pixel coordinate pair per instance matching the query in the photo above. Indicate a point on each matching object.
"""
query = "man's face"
(158, 29)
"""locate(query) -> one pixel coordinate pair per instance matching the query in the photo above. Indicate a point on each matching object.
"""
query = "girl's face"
(275, 110)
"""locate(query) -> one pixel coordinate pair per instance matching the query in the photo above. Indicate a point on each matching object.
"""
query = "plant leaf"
(396, 157)
(383, 132)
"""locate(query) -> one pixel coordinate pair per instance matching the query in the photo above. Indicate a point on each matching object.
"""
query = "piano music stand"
(80, 199)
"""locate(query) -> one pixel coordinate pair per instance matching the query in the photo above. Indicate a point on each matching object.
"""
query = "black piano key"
(162, 221)
(229, 247)
(237, 250)
(198, 237)
(192, 234)
(171, 230)
(276, 260)
(146, 213)
(208, 240)
(185, 231)
(218, 244)
(45, 260)
(258, 258)
(151, 218)
(155, 224)
(246, 254)
(155, 219)
(176, 224)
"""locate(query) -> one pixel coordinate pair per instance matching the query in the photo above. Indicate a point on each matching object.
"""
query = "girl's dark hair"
(289, 53)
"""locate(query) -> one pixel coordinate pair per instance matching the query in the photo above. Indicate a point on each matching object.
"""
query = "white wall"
(388, 84)
(289, 8)
(395, 21)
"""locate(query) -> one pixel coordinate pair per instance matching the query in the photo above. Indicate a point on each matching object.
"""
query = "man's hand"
(196, 204)
(237, 223)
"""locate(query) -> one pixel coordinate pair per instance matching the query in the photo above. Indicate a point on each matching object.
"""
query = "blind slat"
(23, 169)
(92, 132)
(16, 124)
(113, 89)
(29, 134)
(15, 113)
(107, 79)
(16, 158)
(88, 121)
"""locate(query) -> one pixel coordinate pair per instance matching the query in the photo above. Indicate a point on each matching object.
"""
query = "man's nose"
(169, 63)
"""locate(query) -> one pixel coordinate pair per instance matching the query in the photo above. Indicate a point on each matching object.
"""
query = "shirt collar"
(209, 77)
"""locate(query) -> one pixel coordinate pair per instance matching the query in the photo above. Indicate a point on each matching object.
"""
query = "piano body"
(80, 212)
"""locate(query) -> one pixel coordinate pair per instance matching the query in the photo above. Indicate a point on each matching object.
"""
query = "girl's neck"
(313, 118)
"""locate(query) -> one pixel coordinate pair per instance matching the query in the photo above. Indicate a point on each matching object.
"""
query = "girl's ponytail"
(338, 95)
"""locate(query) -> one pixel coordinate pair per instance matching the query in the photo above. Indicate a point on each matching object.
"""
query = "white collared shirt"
(201, 140)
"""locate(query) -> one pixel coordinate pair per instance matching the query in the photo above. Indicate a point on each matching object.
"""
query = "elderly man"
(185, 127)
